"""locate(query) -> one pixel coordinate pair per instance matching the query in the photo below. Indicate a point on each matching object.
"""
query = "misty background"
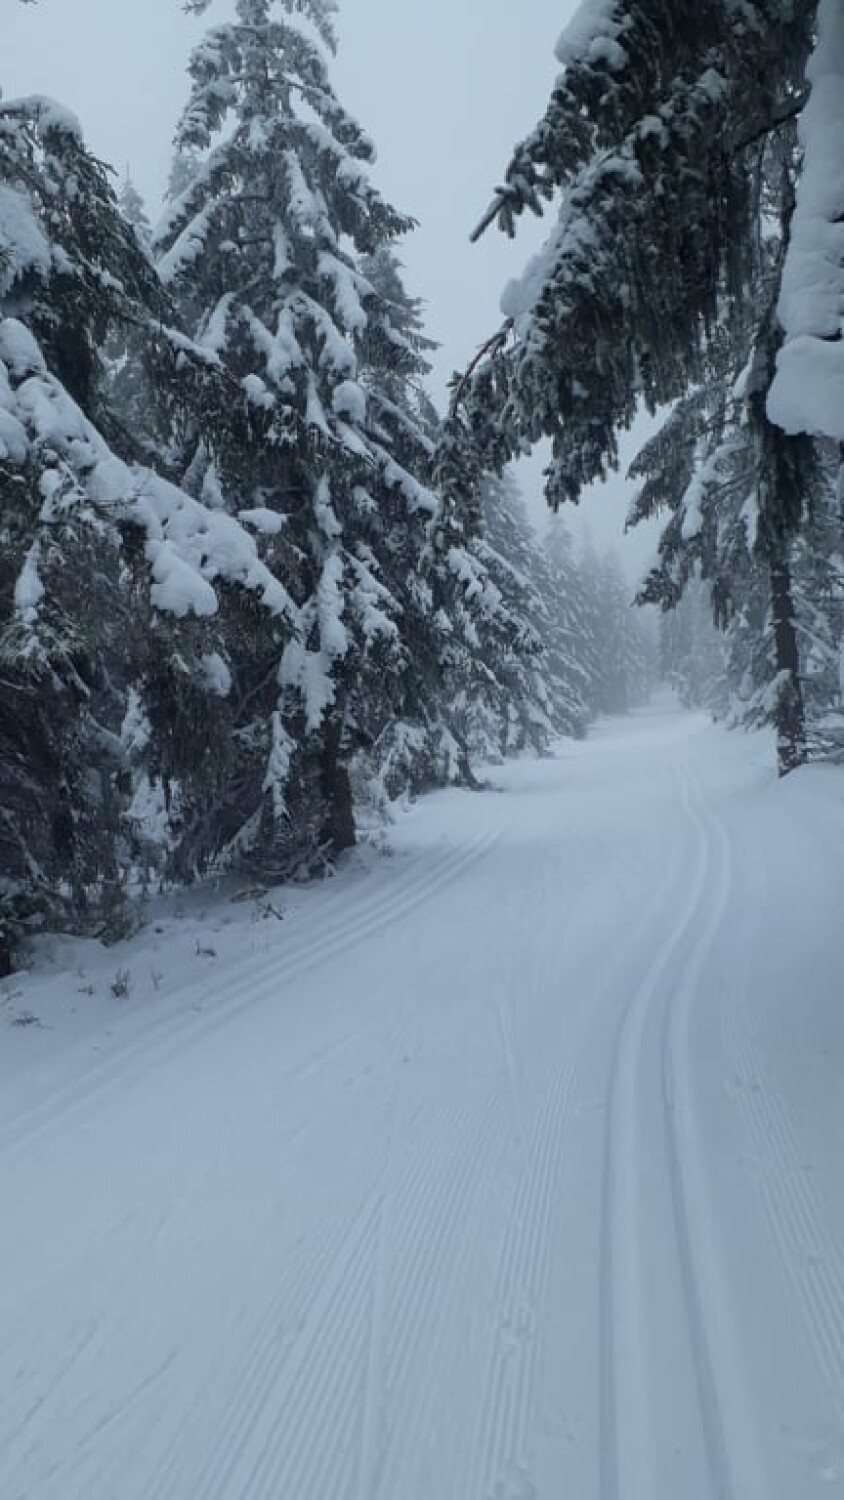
(444, 95)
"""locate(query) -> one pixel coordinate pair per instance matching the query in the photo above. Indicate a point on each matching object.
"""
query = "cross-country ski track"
(506, 1166)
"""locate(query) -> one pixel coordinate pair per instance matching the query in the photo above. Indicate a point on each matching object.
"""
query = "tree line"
(693, 152)
(249, 578)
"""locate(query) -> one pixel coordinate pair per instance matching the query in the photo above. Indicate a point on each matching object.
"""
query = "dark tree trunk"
(789, 717)
(785, 466)
(6, 962)
(339, 827)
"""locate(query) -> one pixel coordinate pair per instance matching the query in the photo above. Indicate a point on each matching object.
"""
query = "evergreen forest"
(255, 584)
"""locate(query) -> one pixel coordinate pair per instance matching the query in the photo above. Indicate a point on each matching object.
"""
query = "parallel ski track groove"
(627, 1465)
(307, 1450)
(521, 1288)
(810, 1256)
(272, 1440)
(430, 1223)
(159, 1038)
(301, 1292)
(245, 1444)
(500, 1452)
(373, 1391)
(292, 1460)
(698, 1260)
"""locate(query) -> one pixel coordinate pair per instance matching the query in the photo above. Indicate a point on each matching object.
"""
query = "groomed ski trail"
(496, 1173)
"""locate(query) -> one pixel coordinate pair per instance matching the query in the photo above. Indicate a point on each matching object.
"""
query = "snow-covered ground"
(505, 1168)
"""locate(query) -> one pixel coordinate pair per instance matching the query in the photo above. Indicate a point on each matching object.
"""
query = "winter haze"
(121, 68)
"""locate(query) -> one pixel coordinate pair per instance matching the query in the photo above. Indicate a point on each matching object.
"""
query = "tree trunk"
(789, 715)
(338, 830)
(785, 465)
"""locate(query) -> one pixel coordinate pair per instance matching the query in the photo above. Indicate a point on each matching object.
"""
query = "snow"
(592, 36)
(309, 673)
(23, 244)
(177, 588)
(331, 603)
(187, 248)
(477, 585)
(189, 546)
(348, 399)
(417, 497)
(806, 395)
(50, 114)
(136, 730)
(211, 491)
(346, 286)
(215, 333)
(370, 601)
(282, 350)
(306, 207)
(19, 351)
(13, 440)
(260, 519)
(336, 355)
(324, 512)
(29, 590)
(282, 252)
(258, 392)
(572, 237)
(708, 475)
(278, 766)
(218, 678)
(315, 415)
(507, 1166)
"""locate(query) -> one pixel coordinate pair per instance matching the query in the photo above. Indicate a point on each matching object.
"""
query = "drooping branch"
(489, 350)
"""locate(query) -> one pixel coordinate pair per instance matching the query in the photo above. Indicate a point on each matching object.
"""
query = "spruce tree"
(133, 210)
(266, 252)
(621, 652)
(493, 646)
(666, 138)
(692, 653)
(98, 551)
(68, 268)
(572, 644)
(543, 680)
(416, 744)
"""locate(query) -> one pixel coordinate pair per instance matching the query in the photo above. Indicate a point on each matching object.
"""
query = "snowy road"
(508, 1170)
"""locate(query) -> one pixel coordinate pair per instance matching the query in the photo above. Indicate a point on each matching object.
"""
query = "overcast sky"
(444, 87)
